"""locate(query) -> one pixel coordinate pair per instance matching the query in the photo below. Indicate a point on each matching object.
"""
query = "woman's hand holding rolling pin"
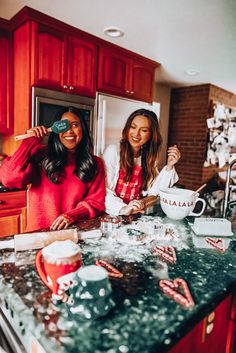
(135, 206)
(61, 222)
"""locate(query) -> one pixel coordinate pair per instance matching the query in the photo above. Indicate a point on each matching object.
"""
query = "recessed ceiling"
(183, 35)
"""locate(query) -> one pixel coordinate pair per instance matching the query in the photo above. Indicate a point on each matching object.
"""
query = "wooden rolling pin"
(38, 240)
(150, 200)
(57, 127)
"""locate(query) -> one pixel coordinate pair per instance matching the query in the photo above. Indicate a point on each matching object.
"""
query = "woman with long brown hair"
(132, 165)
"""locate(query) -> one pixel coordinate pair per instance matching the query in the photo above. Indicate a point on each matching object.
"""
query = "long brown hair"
(149, 151)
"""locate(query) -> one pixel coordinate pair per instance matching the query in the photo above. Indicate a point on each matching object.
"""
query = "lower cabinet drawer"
(12, 221)
(15, 199)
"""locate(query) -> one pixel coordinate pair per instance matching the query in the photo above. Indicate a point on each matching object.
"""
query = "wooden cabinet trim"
(6, 82)
(27, 13)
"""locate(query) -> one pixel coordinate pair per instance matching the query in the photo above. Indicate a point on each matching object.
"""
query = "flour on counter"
(18, 258)
(135, 241)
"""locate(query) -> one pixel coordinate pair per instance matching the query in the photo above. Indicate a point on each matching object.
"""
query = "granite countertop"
(144, 319)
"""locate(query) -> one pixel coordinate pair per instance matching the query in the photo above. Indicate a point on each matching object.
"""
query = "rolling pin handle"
(24, 136)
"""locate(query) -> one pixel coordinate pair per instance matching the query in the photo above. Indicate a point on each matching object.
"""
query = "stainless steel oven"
(15, 337)
(47, 103)
(10, 341)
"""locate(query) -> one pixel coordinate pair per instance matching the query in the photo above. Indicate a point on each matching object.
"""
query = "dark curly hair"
(54, 162)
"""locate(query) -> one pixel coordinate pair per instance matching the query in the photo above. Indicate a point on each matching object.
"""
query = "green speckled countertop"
(144, 319)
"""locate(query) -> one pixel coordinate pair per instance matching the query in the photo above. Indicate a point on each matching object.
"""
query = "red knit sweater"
(46, 200)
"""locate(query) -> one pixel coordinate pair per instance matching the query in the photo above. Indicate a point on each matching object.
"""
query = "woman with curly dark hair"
(67, 181)
(132, 165)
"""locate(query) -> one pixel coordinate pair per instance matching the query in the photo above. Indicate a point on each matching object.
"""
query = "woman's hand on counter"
(61, 222)
(135, 206)
(173, 156)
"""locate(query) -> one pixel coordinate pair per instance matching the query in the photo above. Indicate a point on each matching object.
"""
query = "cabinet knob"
(71, 88)
(65, 86)
(127, 91)
(208, 326)
(132, 92)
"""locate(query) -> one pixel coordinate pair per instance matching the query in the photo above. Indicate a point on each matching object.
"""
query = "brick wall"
(187, 128)
(189, 109)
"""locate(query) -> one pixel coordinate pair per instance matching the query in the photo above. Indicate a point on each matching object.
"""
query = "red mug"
(56, 260)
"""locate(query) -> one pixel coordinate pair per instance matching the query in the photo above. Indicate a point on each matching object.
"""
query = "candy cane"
(65, 298)
(169, 288)
(164, 252)
(215, 243)
(112, 271)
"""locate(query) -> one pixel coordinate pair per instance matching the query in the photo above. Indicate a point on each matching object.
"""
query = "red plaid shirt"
(130, 190)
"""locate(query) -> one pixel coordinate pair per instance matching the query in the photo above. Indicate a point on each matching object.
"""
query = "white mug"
(179, 203)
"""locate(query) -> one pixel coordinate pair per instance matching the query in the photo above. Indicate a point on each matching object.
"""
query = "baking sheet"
(204, 232)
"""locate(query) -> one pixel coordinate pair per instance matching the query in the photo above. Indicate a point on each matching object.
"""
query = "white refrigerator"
(111, 114)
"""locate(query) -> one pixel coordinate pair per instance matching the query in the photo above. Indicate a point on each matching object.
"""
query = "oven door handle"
(11, 338)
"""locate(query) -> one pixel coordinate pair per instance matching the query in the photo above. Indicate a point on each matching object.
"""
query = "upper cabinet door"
(80, 76)
(64, 62)
(125, 75)
(113, 71)
(6, 96)
(49, 61)
(142, 82)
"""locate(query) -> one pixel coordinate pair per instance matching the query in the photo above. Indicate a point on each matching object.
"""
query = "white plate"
(213, 234)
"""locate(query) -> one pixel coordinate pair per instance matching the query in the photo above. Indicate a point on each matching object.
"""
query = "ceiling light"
(192, 72)
(113, 32)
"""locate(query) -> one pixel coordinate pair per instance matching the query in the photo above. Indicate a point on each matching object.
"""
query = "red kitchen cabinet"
(142, 81)
(6, 97)
(125, 75)
(49, 53)
(53, 55)
(12, 213)
(112, 71)
(48, 56)
(231, 336)
(215, 333)
(81, 67)
(64, 62)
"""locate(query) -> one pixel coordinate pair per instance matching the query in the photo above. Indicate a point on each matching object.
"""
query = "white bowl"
(179, 203)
